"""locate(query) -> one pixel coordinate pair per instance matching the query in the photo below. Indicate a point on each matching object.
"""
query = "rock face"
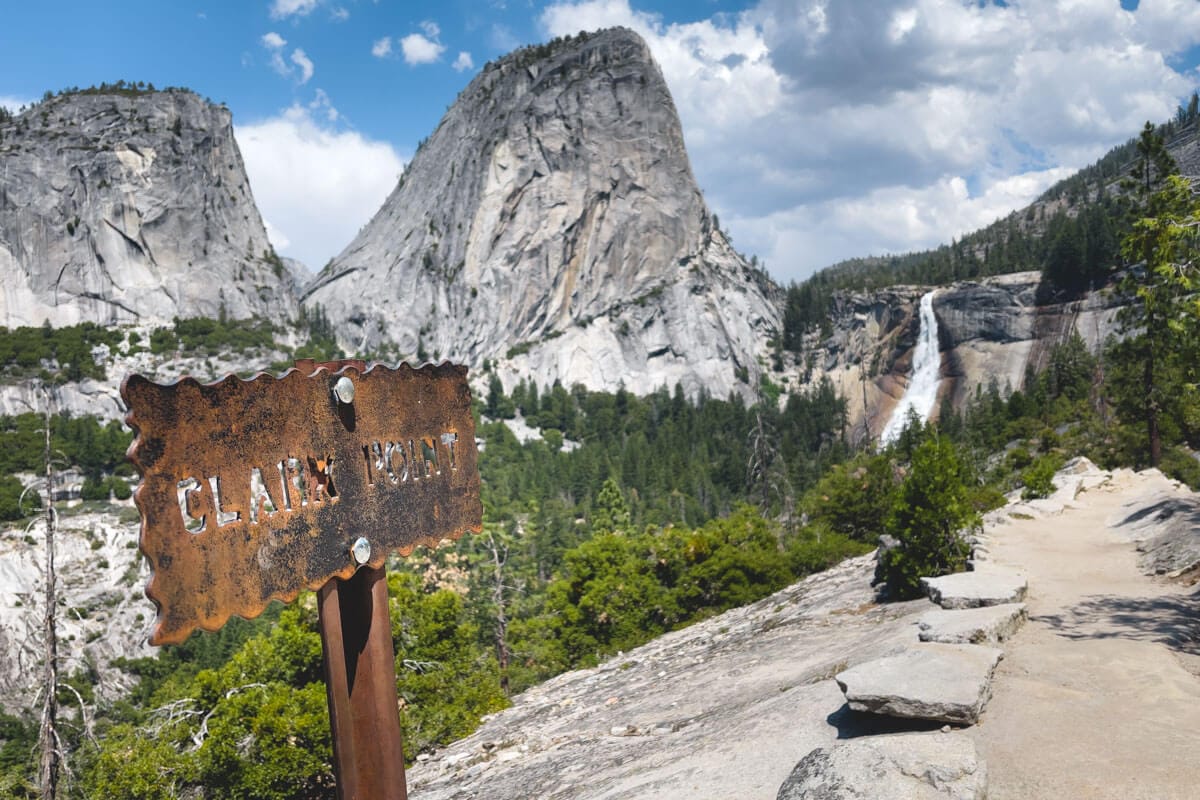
(940, 682)
(552, 223)
(913, 766)
(988, 330)
(130, 208)
(104, 613)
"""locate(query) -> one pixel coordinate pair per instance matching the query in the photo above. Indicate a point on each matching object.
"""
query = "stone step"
(933, 681)
(990, 586)
(983, 625)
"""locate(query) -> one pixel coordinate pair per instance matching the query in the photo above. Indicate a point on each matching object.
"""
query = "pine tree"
(1162, 318)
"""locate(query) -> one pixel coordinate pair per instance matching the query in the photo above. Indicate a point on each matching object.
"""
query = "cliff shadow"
(1174, 621)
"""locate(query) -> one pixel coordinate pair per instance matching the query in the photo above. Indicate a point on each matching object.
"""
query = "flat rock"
(942, 682)
(984, 587)
(983, 625)
(912, 766)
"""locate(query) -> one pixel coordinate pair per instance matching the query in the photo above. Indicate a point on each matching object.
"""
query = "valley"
(684, 464)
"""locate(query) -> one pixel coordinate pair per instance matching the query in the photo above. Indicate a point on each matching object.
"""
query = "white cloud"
(275, 44)
(281, 9)
(382, 47)
(317, 184)
(339, 14)
(304, 63)
(422, 48)
(463, 62)
(823, 130)
(14, 104)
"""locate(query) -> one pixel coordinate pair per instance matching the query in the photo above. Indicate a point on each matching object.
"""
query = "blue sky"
(818, 129)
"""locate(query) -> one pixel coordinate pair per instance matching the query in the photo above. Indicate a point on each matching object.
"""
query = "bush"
(94, 489)
(10, 499)
(930, 509)
(1039, 477)
(854, 499)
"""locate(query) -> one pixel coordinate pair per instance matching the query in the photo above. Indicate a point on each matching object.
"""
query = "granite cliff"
(992, 329)
(551, 223)
(130, 207)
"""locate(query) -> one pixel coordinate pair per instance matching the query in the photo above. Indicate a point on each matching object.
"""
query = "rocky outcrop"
(130, 207)
(551, 224)
(1167, 532)
(915, 766)
(104, 613)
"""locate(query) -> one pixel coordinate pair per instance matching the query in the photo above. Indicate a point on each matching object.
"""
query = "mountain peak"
(125, 205)
(552, 222)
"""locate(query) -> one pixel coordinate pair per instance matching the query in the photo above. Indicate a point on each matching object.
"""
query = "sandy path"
(1091, 701)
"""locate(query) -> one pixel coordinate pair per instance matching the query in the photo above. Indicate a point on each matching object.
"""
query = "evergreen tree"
(930, 510)
(1162, 319)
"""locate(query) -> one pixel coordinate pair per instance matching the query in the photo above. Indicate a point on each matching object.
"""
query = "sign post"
(254, 490)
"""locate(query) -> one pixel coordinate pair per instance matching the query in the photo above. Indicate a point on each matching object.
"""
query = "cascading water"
(923, 385)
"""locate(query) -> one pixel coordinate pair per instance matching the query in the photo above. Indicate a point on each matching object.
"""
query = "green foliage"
(82, 441)
(1038, 476)
(619, 590)
(1162, 344)
(213, 336)
(11, 507)
(65, 352)
(930, 510)
(446, 678)
(854, 498)
(610, 514)
(322, 340)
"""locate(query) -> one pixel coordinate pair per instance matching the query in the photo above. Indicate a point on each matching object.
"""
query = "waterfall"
(922, 389)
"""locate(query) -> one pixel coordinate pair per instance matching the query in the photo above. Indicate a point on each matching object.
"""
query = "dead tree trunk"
(48, 735)
(499, 559)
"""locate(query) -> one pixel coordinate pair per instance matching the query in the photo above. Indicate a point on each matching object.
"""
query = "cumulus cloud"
(422, 48)
(823, 130)
(315, 182)
(382, 47)
(463, 62)
(281, 9)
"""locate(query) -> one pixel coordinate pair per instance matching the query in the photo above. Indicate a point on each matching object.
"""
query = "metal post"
(360, 675)
(360, 681)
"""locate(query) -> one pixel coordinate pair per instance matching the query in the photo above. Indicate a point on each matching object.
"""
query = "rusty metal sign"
(255, 489)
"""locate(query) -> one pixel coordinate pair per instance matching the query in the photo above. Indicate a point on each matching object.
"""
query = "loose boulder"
(907, 766)
(942, 682)
(984, 625)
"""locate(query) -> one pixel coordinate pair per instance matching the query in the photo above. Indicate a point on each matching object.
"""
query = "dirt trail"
(1098, 695)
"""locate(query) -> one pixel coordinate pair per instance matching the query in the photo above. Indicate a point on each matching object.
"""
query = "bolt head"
(361, 551)
(344, 390)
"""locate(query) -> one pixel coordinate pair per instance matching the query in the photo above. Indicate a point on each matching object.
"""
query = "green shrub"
(1039, 477)
(1179, 464)
(10, 497)
(928, 513)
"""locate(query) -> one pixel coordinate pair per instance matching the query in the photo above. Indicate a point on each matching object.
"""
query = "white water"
(923, 385)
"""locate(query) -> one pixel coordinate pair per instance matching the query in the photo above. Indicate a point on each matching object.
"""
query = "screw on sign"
(254, 490)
